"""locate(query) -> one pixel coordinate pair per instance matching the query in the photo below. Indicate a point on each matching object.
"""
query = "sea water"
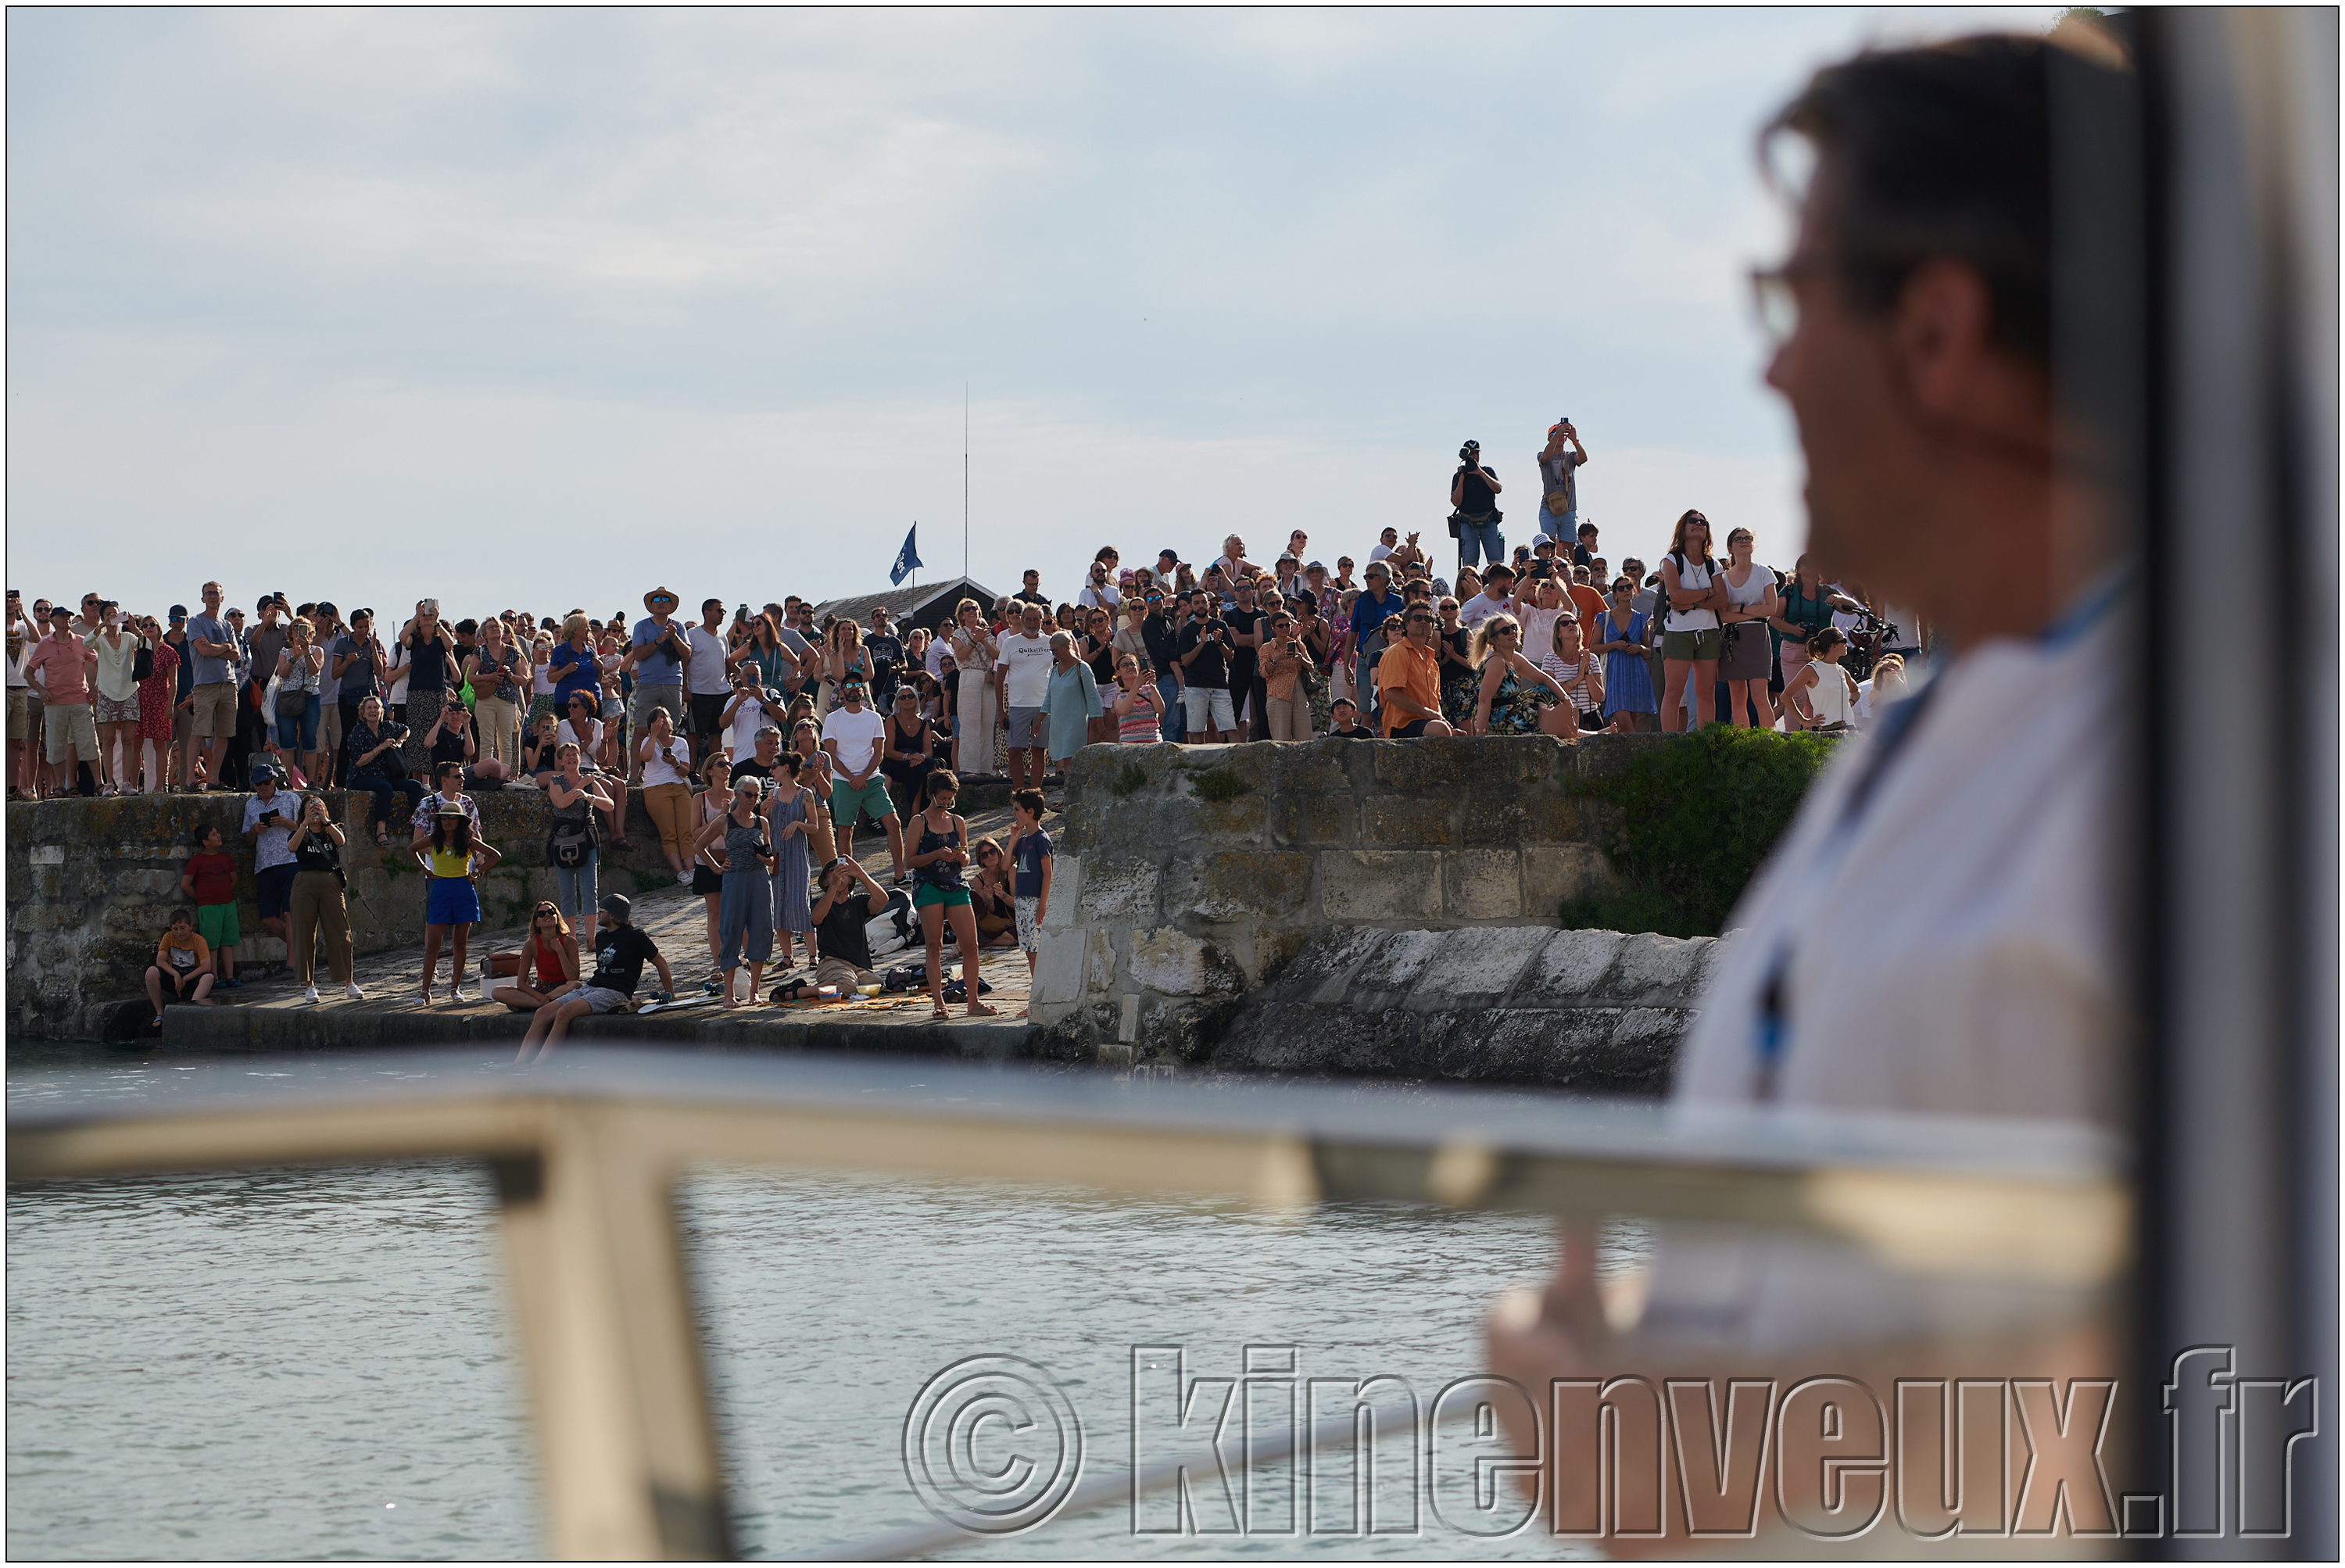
(320, 1363)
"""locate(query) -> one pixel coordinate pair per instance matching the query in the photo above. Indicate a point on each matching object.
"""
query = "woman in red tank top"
(549, 959)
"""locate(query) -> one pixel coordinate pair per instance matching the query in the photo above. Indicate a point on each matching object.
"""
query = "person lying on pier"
(621, 950)
(550, 956)
(184, 959)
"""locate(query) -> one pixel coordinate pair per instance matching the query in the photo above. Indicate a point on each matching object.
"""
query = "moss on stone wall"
(1696, 818)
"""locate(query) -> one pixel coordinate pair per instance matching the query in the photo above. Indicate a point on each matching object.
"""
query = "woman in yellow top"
(452, 860)
(185, 960)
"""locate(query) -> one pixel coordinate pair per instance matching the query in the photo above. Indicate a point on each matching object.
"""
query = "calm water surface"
(319, 1364)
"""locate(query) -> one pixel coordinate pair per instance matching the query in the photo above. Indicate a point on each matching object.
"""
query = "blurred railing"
(587, 1153)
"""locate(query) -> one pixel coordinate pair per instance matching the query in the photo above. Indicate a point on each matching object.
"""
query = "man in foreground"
(1938, 932)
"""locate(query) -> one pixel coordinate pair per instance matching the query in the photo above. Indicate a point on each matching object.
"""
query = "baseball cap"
(178, 612)
(616, 906)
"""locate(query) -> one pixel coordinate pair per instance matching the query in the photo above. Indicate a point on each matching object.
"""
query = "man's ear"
(1941, 337)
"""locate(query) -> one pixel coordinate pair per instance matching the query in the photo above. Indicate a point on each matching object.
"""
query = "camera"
(1470, 454)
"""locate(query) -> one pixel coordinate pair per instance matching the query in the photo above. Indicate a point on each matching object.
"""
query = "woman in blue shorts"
(450, 858)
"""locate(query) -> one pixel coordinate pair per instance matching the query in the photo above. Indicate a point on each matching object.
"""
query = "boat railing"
(588, 1152)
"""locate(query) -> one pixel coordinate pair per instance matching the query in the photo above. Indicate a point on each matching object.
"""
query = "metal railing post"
(606, 1324)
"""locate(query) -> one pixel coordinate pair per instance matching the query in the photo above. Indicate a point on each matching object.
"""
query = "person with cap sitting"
(621, 950)
(658, 660)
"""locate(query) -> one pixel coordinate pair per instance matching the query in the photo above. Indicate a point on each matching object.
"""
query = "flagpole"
(964, 479)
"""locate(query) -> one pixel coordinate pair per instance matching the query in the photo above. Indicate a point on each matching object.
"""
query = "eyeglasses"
(1775, 296)
(1413, 620)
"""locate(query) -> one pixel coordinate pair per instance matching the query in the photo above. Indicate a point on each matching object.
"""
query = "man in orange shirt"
(1585, 600)
(1408, 681)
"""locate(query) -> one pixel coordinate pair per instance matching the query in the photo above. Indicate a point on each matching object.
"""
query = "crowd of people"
(760, 741)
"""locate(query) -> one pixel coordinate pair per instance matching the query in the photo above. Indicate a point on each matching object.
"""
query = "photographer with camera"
(1205, 646)
(750, 708)
(1558, 516)
(376, 765)
(268, 820)
(1474, 508)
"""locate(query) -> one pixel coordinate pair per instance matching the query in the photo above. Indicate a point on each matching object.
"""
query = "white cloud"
(557, 283)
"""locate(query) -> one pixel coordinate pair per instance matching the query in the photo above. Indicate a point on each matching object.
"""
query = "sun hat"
(658, 593)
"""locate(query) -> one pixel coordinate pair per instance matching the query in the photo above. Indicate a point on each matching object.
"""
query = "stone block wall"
(1595, 1010)
(1186, 876)
(91, 885)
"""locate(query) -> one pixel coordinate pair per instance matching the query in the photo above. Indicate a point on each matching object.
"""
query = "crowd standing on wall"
(834, 723)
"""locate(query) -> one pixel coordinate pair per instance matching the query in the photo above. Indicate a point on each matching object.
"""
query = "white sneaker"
(353, 993)
(310, 995)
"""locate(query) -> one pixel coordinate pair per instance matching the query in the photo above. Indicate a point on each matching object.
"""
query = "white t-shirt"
(705, 678)
(858, 736)
(1099, 596)
(1380, 552)
(1480, 608)
(1028, 661)
(540, 661)
(399, 667)
(659, 769)
(746, 721)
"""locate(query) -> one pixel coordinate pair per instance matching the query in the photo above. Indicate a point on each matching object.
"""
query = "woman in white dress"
(978, 710)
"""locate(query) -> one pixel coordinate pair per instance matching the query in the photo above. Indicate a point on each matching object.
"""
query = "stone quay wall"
(1187, 876)
(91, 885)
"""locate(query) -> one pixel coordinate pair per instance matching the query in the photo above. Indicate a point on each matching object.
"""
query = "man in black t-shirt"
(1473, 496)
(1203, 662)
(621, 950)
(1246, 620)
(887, 651)
(850, 898)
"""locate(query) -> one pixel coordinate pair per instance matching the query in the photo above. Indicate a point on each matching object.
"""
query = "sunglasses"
(1413, 620)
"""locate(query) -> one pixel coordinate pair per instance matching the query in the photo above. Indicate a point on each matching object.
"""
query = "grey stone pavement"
(271, 1015)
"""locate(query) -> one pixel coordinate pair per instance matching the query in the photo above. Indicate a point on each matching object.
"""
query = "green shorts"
(951, 898)
(1699, 647)
(871, 801)
(215, 923)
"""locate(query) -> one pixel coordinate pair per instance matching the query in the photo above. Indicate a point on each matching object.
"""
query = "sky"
(545, 308)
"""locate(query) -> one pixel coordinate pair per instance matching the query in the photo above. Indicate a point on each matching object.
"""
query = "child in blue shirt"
(1030, 854)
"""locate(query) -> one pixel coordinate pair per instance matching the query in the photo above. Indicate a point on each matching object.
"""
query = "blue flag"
(906, 558)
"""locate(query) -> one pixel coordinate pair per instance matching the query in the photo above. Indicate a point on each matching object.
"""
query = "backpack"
(572, 840)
